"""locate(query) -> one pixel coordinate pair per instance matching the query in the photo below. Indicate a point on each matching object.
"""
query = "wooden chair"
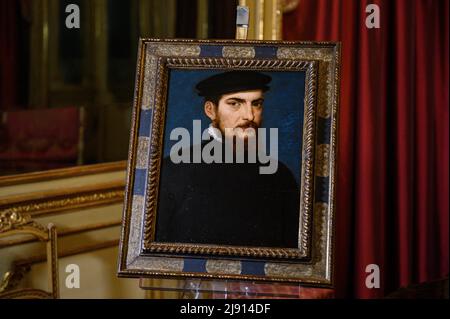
(11, 224)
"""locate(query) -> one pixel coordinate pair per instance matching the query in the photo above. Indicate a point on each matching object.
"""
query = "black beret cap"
(233, 81)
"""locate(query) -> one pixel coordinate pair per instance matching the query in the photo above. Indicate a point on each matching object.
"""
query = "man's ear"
(210, 110)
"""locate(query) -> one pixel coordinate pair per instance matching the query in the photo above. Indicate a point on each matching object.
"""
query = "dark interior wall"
(186, 21)
(14, 49)
(222, 19)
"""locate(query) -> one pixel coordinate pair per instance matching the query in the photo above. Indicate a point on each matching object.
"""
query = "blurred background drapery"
(393, 158)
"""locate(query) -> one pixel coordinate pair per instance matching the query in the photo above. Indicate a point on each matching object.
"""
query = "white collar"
(215, 133)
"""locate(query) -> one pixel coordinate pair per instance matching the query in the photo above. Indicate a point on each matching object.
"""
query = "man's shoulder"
(283, 168)
(284, 175)
(176, 166)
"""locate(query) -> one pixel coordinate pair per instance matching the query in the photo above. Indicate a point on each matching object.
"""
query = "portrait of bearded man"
(229, 203)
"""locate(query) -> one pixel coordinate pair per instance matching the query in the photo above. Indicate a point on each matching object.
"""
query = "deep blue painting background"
(283, 108)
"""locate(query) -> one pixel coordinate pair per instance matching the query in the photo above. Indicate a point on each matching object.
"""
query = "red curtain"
(393, 157)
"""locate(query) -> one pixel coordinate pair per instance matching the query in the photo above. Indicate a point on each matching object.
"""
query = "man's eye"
(235, 104)
(258, 104)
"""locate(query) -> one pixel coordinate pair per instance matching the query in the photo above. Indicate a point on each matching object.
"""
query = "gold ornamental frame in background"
(12, 224)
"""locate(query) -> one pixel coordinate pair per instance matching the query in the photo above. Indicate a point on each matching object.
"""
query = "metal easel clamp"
(242, 20)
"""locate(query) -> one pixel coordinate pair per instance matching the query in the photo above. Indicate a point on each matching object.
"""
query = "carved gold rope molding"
(50, 202)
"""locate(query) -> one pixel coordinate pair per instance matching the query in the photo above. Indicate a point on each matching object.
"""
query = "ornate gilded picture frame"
(189, 220)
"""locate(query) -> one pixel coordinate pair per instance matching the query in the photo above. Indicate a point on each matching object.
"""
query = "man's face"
(237, 111)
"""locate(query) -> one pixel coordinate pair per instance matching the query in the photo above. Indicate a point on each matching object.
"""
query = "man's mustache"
(248, 125)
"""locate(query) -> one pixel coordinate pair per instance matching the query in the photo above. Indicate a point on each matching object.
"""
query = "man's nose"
(248, 112)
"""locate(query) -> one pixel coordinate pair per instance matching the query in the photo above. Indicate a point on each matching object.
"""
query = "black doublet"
(227, 204)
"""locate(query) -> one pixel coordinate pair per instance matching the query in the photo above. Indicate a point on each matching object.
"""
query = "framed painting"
(231, 168)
